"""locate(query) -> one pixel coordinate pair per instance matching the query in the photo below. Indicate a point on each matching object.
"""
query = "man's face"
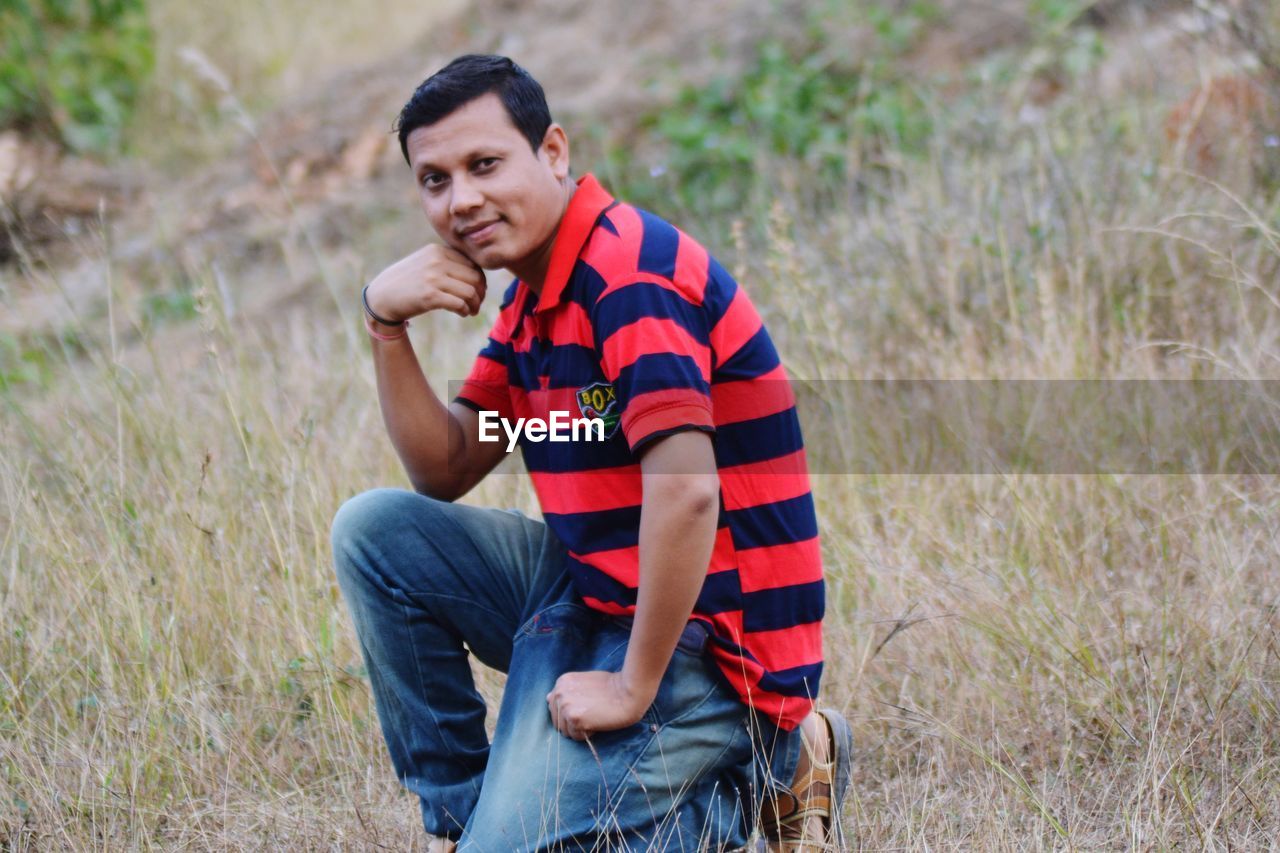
(484, 190)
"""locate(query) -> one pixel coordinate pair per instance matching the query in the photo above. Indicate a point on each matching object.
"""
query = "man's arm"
(437, 444)
(677, 533)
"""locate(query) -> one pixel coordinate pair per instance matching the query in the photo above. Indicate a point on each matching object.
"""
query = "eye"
(433, 180)
(484, 164)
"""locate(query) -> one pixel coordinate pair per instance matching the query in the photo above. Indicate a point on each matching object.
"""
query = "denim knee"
(372, 515)
(360, 512)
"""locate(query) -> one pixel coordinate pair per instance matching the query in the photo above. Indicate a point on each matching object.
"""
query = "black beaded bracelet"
(364, 298)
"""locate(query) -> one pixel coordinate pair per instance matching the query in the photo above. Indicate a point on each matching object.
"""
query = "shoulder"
(633, 246)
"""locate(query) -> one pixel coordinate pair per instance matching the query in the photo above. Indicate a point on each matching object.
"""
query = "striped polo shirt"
(638, 326)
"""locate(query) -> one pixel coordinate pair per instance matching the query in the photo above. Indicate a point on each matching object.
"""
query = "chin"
(494, 257)
(490, 260)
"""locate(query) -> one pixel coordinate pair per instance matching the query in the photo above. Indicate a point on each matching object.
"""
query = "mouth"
(480, 232)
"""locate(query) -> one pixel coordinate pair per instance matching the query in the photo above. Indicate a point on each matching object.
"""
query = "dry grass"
(289, 48)
(266, 54)
(1029, 661)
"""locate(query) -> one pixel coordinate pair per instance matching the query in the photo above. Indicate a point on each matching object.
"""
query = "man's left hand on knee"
(584, 703)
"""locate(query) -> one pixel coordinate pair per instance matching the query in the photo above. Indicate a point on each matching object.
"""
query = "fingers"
(562, 718)
(463, 270)
(469, 295)
(450, 279)
(557, 716)
(461, 278)
(465, 280)
(454, 304)
(452, 254)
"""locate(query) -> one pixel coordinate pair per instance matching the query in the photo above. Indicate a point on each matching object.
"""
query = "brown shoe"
(819, 794)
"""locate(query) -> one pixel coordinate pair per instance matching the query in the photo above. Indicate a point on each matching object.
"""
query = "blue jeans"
(426, 581)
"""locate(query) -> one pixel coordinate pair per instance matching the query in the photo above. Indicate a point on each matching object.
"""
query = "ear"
(555, 150)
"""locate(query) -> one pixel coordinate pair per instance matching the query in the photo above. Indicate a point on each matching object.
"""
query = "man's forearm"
(677, 534)
(429, 437)
(420, 426)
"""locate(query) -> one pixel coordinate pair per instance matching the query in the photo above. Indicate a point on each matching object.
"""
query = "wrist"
(380, 315)
(638, 692)
(381, 332)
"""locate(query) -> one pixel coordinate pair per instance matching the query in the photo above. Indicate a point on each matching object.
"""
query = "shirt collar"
(580, 217)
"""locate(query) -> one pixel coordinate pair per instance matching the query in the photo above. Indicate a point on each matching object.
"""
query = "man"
(661, 628)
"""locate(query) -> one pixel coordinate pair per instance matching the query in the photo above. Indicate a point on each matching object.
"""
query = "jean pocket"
(565, 617)
(694, 639)
(690, 683)
(689, 680)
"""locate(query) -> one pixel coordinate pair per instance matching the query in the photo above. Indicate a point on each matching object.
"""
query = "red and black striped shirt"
(638, 325)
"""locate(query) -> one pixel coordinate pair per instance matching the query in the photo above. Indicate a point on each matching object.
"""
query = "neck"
(533, 269)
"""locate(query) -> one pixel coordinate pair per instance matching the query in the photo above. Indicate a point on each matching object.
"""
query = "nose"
(464, 197)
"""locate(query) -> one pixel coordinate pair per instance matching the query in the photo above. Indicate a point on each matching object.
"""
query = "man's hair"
(467, 78)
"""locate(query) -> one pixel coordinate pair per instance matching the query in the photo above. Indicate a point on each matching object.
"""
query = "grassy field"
(1086, 661)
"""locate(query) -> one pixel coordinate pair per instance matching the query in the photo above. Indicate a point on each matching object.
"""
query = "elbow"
(427, 490)
(442, 489)
(691, 495)
(704, 496)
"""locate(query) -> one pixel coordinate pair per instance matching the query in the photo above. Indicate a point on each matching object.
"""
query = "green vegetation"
(801, 108)
(806, 104)
(73, 68)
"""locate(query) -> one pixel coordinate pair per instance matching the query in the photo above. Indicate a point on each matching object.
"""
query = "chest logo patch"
(598, 401)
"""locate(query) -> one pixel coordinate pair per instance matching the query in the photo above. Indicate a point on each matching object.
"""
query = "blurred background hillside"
(192, 195)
